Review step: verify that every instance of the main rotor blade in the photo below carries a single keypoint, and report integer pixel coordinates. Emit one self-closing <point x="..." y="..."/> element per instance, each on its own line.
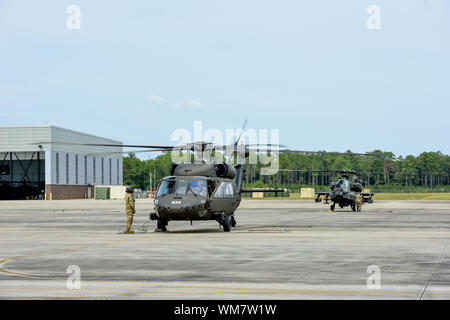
<point x="106" y="145"/>
<point x="242" y="130"/>
<point x="328" y="152"/>
<point x="125" y="152"/>
<point x="192" y="146"/>
<point x="248" y="150"/>
<point x="266" y="144"/>
<point x="188" y="146"/>
<point x="246" y="146"/>
<point x="302" y="170"/>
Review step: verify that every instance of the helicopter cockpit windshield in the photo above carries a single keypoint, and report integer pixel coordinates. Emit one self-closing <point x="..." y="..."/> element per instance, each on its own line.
<point x="166" y="187"/>
<point x="183" y="186"/>
<point x="197" y="187"/>
<point x="343" y="184"/>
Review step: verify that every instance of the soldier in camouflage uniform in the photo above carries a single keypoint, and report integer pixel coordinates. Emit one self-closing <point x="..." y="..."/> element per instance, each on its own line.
<point x="358" y="201"/>
<point x="131" y="209"/>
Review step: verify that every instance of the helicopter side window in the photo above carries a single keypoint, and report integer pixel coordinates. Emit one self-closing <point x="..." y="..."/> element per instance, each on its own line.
<point x="197" y="187"/>
<point x="166" y="187"/>
<point x="229" y="191"/>
<point x="181" y="187"/>
<point x="225" y="190"/>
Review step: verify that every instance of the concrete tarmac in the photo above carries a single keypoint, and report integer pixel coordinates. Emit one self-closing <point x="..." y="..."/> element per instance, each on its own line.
<point x="280" y="249"/>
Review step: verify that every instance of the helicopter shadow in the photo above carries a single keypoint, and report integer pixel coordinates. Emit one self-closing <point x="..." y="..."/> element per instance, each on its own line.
<point x="194" y="231"/>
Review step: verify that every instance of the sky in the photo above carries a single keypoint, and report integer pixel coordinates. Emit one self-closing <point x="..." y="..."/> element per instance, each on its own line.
<point x="136" y="71"/>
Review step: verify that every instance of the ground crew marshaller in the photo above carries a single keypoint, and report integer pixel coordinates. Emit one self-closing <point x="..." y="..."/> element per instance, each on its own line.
<point x="358" y="201"/>
<point x="131" y="209"/>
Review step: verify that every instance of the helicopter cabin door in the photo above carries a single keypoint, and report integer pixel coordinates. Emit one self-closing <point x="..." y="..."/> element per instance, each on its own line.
<point x="223" y="199"/>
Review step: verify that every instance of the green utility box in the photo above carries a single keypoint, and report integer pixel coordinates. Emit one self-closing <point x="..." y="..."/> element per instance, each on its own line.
<point x="102" y="193"/>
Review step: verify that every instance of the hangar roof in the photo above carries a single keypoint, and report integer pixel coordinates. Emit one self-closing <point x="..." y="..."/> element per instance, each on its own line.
<point x="27" y="138"/>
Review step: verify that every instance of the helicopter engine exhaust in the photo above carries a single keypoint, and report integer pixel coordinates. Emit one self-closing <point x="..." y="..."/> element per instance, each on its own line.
<point x="224" y="170"/>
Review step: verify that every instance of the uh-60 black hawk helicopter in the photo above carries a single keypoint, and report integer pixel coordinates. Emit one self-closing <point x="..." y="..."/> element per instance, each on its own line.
<point x="344" y="190"/>
<point x="204" y="191"/>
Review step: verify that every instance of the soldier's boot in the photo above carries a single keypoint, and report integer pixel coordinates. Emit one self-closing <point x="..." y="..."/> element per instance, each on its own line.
<point x="332" y="208"/>
<point x="129" y="222"/>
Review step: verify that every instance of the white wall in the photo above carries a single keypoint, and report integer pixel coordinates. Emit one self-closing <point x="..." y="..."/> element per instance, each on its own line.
<point x="106" y="173"/>
<point x="51" y="167"/>
<point x="90" y="170"/>
<point x="62" y="168"/>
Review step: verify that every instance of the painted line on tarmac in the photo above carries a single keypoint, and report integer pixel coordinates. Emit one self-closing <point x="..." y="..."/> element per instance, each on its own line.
<point x="228" y="290"/>
<point x="109" y="295"/>
<point x="193" y="289"/>
<point x="329" y="292"/>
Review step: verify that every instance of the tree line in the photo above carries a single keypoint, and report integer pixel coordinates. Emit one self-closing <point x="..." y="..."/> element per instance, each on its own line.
<point x="428" y="171"/>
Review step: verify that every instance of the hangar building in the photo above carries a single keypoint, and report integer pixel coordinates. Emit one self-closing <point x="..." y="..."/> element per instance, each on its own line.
<point x="36" y="159"/>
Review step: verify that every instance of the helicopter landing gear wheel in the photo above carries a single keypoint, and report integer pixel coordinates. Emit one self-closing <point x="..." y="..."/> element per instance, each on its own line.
<point x="227" y="224"/>
<point x="161" y="226"/>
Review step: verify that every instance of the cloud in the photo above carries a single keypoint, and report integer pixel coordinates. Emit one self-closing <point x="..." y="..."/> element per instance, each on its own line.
<point x="182" y="105"/>
<point x="157" y="99"/>
<point x="192" y="105"/>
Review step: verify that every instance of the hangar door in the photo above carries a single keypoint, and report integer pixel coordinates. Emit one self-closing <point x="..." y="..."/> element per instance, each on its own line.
<point x="22" y="175"/>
